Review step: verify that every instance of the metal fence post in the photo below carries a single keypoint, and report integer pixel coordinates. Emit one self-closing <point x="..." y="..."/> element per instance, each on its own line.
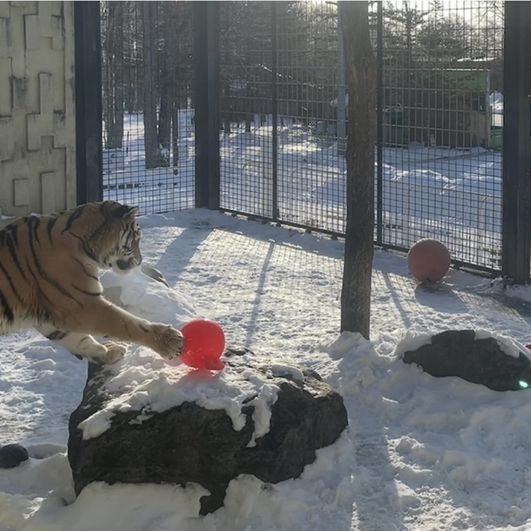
<point x="206" y="91"/>
<point x="274" y="108"/>
<point x="516" y="143"/>
<point x="89" y="164"/>
<point x="379" y="124"/>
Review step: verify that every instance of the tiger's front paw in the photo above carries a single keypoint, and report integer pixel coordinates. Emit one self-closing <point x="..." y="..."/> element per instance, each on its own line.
<point x="114" y="352"/>
<point x="169" y="342"/>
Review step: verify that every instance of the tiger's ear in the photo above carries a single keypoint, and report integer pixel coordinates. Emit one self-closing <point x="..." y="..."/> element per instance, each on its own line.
<point x="124" y="211"/>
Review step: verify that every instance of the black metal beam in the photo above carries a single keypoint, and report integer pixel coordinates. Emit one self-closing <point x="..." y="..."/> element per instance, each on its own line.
<point x="89" y="163"/>
<point x="379" y="125"/>
<point x="516" y="143"/>
<point x="274" y="110"/>
<point x="206" y="96"/>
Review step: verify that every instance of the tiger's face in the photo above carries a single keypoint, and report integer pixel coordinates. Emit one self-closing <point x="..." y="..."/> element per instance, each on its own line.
<point x="114" y="239"/>
<point x="126" y="255"/>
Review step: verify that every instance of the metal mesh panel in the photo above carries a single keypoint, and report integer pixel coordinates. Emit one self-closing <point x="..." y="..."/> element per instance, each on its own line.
<point x="246" y="84"/>
<point x="311" y="172"/>
<point x="438" y="153"/>
<point x="148" y="120"/>
<point x="442" y="127"/>
<point x="278" y="111"/>
<point x="283" y="105"/>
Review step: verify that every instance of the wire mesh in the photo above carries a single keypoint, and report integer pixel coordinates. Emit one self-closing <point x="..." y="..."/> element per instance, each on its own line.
<point x="311" y="163"/>
<point x="442" y="108"/>
<point x="283" y="116"/>
<point x="246" y="113"/>
<point x="279" y="150"/>
<point x="148" y="119"/>
<point x="438" y="157"/>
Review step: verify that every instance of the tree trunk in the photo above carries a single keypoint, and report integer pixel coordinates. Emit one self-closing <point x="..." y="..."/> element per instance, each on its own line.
<point x="227" y="111"/>
<point x="113" y="50"/>
<point x="167" y="78"/>
<point x="117" y="133"/>
<point x="226" y="98"/>
<point x="247" y="108"/>
<point x="165" y="117"/>
<point x="359" y="243"/>
<point x="154" y="158"/>
<point x="175" y="137"/>
<point x="107" y="83"/>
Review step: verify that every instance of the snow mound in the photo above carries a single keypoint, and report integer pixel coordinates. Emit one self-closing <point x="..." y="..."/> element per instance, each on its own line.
<point x="145" y="297"/>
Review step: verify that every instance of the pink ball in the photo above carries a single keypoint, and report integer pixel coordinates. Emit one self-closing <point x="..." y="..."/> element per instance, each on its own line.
<point x="428" y="260"/>
<point x="204" y="343"/>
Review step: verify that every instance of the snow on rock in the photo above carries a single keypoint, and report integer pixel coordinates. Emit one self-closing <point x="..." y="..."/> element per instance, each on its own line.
<point x="478" y="357"/>
<point x="509" y="345"/>
<point x="414" y="339"/>
<point x="144" y="382"/>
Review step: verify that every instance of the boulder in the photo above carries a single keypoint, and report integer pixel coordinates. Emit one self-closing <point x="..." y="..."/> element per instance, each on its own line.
<point x="189" y="443"/>
<point x="498" y="365"/>
<point x="12" y="455"/>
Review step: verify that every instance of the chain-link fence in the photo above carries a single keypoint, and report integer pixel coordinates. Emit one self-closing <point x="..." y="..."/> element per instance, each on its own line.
<point x="148" y="117"/>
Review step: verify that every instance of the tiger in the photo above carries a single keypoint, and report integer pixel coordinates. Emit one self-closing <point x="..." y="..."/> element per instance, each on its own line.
<point x="49" y="281"/>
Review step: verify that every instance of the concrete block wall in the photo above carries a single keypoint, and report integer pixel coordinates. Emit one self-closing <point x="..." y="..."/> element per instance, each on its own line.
<point x="37" y="107"/>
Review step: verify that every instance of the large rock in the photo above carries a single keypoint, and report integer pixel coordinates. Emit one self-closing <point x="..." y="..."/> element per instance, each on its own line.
<point x="11" y="455"/>
<point x="501" y="366"/>
<point x="188" y="443"/>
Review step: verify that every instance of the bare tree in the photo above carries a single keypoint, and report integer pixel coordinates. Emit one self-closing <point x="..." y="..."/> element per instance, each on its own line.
<point x="166" y="73"/>
<point x="173" y="43"/>
<point x="112" y="52"/>
<point x="154" y="157"/>
<point x="359" y="245"/>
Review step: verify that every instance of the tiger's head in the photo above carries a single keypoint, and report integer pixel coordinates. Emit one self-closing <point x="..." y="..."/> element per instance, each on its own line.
<point x="115" y="241"/>
<point x="126" y="255"/>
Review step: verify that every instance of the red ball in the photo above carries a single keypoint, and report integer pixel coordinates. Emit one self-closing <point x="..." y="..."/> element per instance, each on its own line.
<point x="428" y="260"/>
<point x="204" y="343"/>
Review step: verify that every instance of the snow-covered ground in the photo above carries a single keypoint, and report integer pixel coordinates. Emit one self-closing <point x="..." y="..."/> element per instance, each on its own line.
<point x="420" y="453"/>
<point x="157" y="190"/>
<point x="496" y="103"/>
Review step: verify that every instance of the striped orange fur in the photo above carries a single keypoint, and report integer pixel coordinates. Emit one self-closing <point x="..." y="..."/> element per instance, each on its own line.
<point x="49" y="280"/>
